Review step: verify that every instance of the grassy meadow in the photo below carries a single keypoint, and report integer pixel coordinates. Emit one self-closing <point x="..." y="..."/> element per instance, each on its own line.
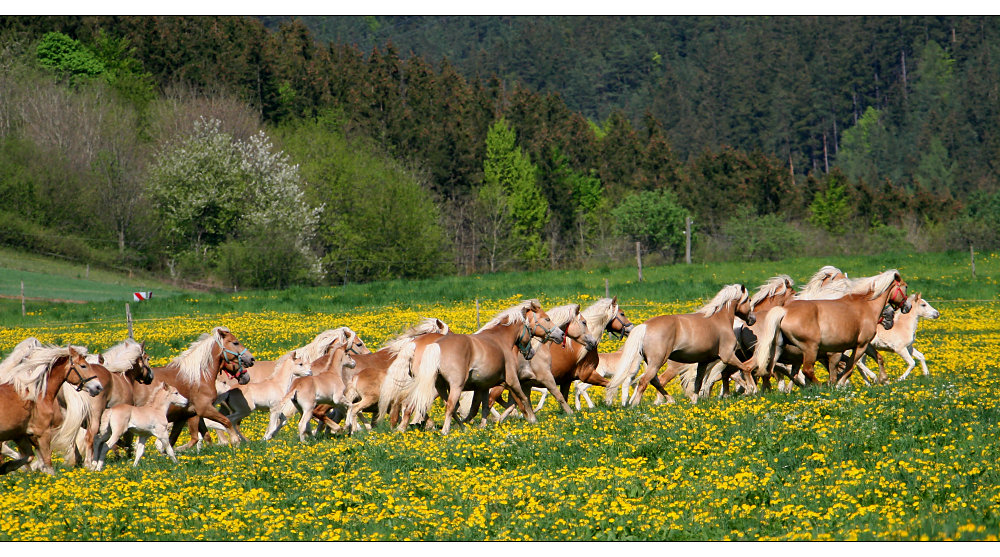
<point x="913" y="460"/>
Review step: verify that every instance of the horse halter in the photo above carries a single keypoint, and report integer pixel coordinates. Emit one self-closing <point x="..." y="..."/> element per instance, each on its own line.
<point x="239" y="359"/>
<point x="897" y="297"/>
<point x="524" y="347"/>
<point x="83" y="381"/>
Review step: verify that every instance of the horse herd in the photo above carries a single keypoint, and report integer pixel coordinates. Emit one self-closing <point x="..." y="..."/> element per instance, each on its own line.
<point x="81" y="404"/>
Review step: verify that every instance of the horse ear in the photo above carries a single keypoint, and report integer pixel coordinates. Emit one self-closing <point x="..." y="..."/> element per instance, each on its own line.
<point x="615" y="299"/>
<point x="440" y="324"/>
<point x="100" y="359"/>
<point x="142" y="345"/>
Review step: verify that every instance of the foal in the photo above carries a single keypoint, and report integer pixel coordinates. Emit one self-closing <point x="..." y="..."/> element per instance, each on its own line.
<point x="142" y="421"/>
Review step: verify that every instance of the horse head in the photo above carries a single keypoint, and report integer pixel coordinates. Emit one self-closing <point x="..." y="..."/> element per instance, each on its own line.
<point x="576" y="328"/>
<point x="924" y="309"/>
<point x="897" y="295"/>
<point x="619" y="324"/>
<point x="744" y="307"/>
<point x="235" y="357"/>
<point x="299" y="366"/>
<point x="145" y="373"/>
<point x="540" y="325"/>
<point x="175" y="397"/>
<point x="81" y="374"/>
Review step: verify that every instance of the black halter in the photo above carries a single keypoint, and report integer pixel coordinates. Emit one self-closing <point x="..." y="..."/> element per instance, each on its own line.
<point x="83" y="382"/>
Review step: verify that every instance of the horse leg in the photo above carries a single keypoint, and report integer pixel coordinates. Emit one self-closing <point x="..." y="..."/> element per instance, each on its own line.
<point x="541" y="402"/>
<point x="514" y="386"/>
<point x="910" y="363"/>
<point x="881" y="366"/>
<point x="867" y="374"/>
<point x="160" y="431"/>
<point x="192" y="427"/>
<point x="849" y="364"/>
<point x="923" y="361"/>
<point x="305" y="406"/>
<point x="140" y="447"/>
<point x="549" y="383"/>
<point x="236" y="400"/>
<point x="653" y="364"/>
<point x="451" y="404"/>
<point x="809" y="353"/>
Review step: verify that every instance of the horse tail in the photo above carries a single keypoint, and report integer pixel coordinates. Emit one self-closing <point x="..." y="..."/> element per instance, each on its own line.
<point x="629" y="363"/>
<point x="420" y="394"/>
<point x="77" y="409"/>
<point x="767" y="340"/>
<point x="687" y="376"/>
<point x="397" y="377"/>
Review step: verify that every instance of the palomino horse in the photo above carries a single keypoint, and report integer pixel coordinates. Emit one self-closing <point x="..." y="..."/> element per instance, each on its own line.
<point x="773" y="293"/>
<point x="143" y="421"/>
<point x="809" y="328"/>
<point x="603" y="315"/>
<point x="379" y="378"/>
<point x="552" y="360"/>
<point x="30" y="379"/>
<point x="268" y="394"/>
<point x="700" y="337"/>
<point x="325" y="385"/>
<point x="479" y="362"/>
<point x="128" y="365"/>
<point x="194" y="372"/>
<point x="899" y="339"/>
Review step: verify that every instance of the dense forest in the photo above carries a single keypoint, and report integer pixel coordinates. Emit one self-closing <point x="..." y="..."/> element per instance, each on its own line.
<point x="263" y="152"/>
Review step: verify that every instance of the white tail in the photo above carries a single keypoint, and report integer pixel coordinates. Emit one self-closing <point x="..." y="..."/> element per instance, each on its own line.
<point x="397" y="377"/>
<point x="420" y="394"/>
<point x="629" y="363"/>
<point x="766" y="341"/>
<point x="77" y="409"/>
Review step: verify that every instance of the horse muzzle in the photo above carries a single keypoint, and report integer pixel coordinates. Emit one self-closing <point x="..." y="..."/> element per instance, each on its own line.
<point x="751" y="319"/>
<point x="556" y="335"/>
<point x="94" y="388"/>
<point x="243" y="378"/>
<point x="349" y="362"/>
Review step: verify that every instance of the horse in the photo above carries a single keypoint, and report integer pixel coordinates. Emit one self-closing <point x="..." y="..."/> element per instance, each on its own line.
<point x="811" y="327"/>
<point x="700" y="337"/>
<point x="899" y="339"/>
<point x="143" y="421"/>
<point x="378" y="378"/>
<point x="773" y="293"/>
<point x="268" y="394"/>
<point x="591" y="369"/>
<point x="119" y="368"/>
<point x="193" y="374"/>
<point x="325" y="384"/>
<point x="30" y="379"/>
<point x="478" y="362"/>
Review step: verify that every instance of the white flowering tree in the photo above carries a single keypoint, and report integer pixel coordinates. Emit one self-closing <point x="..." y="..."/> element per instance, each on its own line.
<point x="236" y="205"/>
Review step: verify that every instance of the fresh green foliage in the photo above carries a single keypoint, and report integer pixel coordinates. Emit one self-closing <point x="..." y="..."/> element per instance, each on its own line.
<point x="829" y="209"/>
<point x="212" y="189"/>
<point x="765" y="237"/>
<point x="653" y="218"/>
<point x="68" y="56"/>
<point x="507" y="168"/>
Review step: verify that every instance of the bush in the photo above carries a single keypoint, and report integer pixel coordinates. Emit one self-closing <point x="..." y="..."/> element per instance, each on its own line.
<point x="767" y="237"/>
<point x="653" y="218"/>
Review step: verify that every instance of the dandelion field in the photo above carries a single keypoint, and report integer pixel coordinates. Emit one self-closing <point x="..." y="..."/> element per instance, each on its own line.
<point x="913" y="460"/>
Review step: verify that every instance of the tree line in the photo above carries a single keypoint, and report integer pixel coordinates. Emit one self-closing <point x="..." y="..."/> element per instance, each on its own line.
<point x="216" y="149"/>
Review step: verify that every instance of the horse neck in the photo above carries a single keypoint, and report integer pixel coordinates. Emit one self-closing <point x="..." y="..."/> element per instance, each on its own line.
<point x="57" y="376"/>
<point x="726" y="313"/>
<point x="505" y="334"/>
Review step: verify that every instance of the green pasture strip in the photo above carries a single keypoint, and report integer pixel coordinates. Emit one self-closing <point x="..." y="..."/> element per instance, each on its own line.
<point x="53" y="279"/>
<point x="939" y="276"/>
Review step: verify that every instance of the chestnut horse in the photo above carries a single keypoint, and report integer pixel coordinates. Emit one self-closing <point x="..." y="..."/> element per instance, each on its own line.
<point x="801" y="330"/>
<point x="700" y="337"/>
<point x="30" y="379"/>
<point x="194" y="373"/>
<point x="478" y="362"/>
<point x="773" y="293"/>
<point x="324" y="385"/>
<point x="379" y="378"/>
<point x="586" y="368"/>
<point x="128" y="365"/>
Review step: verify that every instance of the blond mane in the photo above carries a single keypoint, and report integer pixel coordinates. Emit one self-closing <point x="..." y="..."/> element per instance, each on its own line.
<point x="816" y="290"/>
<point x="775" y="286"/>
<point x="729" y="293"/>
<point x="599" y="314"/>
<point x="562" y="315"/>
<point x="18" y="354"/>
<point x="120" y="357"/>
<point x="511" y="315"/>
<point x="425" y="326"/>
<point x="196" y="362"/>
<point x="29" y="377"/>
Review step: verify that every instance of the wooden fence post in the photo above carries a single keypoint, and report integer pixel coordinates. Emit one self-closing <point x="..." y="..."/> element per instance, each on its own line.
<point x="23" y="312"/>
<point x="607" y="291"/>
<point x="477" y="314"/>
<point x="972" y="257"/>
<point x="128" y="320"/>
<point x="687" y="240"/>
<point x="638" y="259"/>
